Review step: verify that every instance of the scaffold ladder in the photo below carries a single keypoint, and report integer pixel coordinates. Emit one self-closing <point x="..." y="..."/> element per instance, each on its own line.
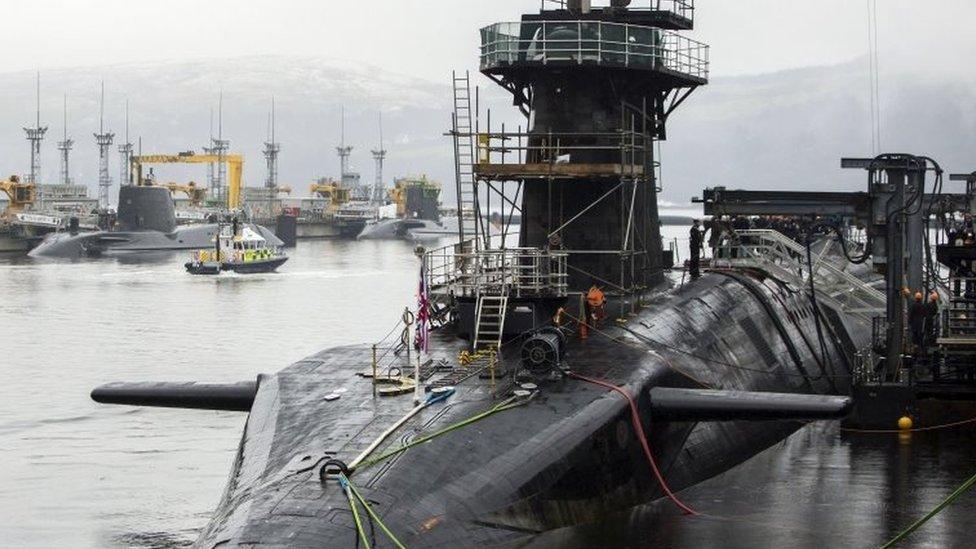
<point x="490" y="324"/>
<point x="464" y="158"/>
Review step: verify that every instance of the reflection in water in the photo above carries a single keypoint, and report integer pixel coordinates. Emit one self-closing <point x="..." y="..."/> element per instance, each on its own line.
<point x="819" y="488"/>
<point x="82" y="475"/>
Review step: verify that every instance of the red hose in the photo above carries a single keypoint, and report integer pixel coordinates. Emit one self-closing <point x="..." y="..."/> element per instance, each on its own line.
<point x="635" y="419"/>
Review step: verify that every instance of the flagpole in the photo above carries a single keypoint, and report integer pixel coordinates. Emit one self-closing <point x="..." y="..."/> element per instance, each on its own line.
<point x="422" y="327"/>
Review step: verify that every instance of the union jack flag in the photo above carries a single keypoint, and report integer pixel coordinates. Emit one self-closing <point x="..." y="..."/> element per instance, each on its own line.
<point x="422" y="339"/>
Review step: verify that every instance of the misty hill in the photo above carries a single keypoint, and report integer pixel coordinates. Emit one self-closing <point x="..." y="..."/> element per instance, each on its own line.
<point x="788" y="130"/>
<point x="782" y="130"/>
<point x="170" y="105"/>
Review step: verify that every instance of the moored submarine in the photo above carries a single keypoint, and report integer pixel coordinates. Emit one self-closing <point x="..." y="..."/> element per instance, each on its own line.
<point x="146" y="223"/>
<point x="521" y="425"/>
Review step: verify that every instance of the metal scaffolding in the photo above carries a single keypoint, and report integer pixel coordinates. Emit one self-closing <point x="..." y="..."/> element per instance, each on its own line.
<point x="504" y="161"/>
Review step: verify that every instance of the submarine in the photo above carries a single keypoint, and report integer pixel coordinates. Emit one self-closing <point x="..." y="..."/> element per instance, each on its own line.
<point x="554" y="383"/>
<point x="146" y="223"/>
<point x="416" y="205"/>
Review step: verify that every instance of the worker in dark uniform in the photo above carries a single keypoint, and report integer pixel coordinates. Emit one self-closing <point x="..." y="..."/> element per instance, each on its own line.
<point x="932" y="330"/>
<point x="916" y="324"/>
<point x="695" y="243"/>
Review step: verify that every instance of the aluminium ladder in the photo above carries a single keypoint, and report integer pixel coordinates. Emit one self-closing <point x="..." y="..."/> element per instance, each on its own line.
<point x="464" y="159"/>
<point x="490" y="322"/>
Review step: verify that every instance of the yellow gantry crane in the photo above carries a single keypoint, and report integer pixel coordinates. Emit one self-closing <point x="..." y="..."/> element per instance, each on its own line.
<point x="235" y="168"/>
<point x="20" y="194"/>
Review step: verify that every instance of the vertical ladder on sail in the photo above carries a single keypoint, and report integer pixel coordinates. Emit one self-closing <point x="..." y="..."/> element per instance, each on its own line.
<point x="464" y="159"/>
<point x="490" y="322"/>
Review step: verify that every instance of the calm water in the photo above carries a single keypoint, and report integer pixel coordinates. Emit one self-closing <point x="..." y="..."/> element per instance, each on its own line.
<point x="82" y="475"/>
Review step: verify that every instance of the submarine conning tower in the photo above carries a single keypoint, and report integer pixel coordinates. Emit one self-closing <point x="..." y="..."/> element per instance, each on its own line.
<point x="597" y="85"/>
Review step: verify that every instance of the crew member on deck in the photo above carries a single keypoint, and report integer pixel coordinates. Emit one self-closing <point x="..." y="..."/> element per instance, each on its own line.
<point x="916" y="323"/>
<point x="695" y="243"/>
<point x="932" y="331"/>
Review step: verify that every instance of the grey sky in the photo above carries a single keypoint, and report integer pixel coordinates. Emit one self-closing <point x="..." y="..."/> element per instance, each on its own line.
<point x="429" y="38"/>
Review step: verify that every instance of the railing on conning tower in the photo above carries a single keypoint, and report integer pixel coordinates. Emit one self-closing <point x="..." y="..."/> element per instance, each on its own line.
<point x="460" y="271"/>
<point x="592" y="43"/>
<point x="681" y="8"/>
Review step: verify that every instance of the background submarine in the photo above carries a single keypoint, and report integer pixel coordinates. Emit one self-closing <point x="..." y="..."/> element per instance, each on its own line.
<point x="538" y="428"/>
<point x="146" y="223"/>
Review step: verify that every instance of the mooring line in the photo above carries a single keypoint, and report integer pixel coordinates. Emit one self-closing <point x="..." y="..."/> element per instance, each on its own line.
<point x="914" y="430"/>
<point x="945" y="503"/>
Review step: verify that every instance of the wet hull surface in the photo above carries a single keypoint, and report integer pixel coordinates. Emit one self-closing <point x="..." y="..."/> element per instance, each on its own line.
<point x="566" y="458"/>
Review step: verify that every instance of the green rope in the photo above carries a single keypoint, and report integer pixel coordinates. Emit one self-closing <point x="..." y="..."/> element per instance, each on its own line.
<point x="372" y="514"/>
<point x="506" y="404"/>
<point x="918" y="523"/>
<point x="355" y="514"/>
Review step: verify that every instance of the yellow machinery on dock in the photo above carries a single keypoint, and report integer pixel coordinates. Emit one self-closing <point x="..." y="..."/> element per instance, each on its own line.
<point x="19" y="194"/>
<point x="195" y="194"/>
<point x="333" y="190"/>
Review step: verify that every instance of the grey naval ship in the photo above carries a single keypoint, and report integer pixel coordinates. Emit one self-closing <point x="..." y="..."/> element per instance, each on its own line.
<point x="146" y="222"/>
<point x="553" y="383"/>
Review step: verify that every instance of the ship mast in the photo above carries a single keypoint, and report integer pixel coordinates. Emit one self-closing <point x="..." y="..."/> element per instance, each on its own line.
<point x="271" y="150"/>
<point x="64" y="147"/>
<point x="35" y="136"/>
<point x="104" y="141"/>
<point x="376" y="194"/>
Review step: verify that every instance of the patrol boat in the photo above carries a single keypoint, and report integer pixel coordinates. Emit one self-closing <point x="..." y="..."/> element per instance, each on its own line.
<point x="239" y="249"/>
<point x="489" y="419"/>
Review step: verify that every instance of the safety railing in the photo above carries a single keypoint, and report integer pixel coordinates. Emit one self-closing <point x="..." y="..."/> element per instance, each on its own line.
<point x="780" y="256"/>
<point x="959" y="318"/>
<point x="460" y="271"/>
<point x="592" y="42"/>
<point x="682" y="8"/>
<point x="629" y="150"/>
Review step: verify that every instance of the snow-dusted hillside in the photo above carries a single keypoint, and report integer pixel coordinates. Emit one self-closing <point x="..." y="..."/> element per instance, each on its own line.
<point x="782" y="130"/>
<point x="169" y="105"/>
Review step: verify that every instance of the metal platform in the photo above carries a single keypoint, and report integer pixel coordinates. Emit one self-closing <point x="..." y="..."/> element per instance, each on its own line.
<point x="498" y="172"/>
<point x="528" y="44"/>
<point x="457" y="271"/>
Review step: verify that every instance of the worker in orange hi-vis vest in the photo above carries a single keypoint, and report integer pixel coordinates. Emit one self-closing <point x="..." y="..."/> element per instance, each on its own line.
<point x="595" y="302"/>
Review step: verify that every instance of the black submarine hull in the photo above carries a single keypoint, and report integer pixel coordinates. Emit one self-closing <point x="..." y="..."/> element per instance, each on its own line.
<point x="146" y="224"/>
<point x="569" y="456"/>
